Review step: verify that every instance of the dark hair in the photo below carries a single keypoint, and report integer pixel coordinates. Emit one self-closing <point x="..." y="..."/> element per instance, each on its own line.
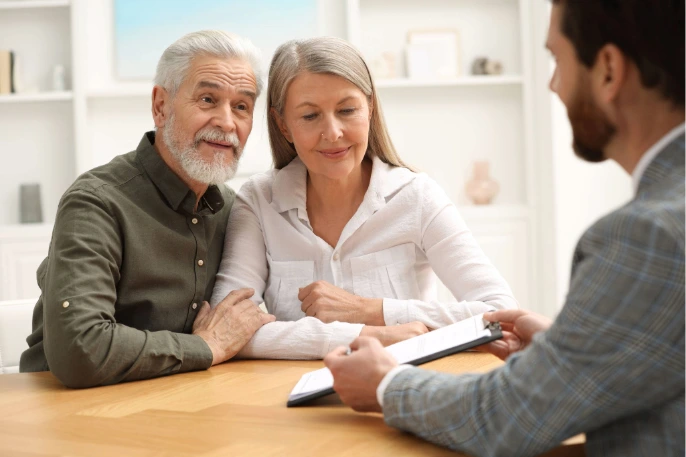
<point x="649" y="32"/>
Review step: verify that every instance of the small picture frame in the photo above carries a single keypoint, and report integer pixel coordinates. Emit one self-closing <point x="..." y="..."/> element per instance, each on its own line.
<point x="433" y="54"/>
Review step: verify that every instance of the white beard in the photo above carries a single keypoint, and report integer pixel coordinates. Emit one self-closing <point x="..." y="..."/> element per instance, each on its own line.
<point x="215" y="171"/>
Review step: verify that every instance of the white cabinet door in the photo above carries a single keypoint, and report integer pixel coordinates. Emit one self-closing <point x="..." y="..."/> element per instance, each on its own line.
<point x="22" y="249"/>
<point x="504" y="241"/>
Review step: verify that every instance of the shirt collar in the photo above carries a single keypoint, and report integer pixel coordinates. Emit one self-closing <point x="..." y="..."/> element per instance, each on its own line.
<point x="651" y="153"/>
<point x="174" y="190"/>
<point x="289" y="190"/>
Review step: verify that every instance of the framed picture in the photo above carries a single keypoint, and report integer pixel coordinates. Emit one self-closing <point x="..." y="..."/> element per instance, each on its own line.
<point x="144" y="29"/>
<point x="433" y="54"/>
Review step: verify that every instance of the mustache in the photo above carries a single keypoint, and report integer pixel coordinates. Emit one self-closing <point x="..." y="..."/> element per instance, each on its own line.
<point x="217" y="136"/>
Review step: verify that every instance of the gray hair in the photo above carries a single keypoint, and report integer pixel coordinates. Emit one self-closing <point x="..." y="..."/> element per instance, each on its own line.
<point x="324" y="55"/>
<point x="177" y="58"/>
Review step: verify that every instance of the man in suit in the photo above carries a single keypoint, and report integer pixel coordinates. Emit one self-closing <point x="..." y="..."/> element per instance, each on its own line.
<point x="612" y="363"/>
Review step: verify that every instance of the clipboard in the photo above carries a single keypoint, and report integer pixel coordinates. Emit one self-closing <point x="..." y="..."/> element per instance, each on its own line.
<point x="442" y="342"/>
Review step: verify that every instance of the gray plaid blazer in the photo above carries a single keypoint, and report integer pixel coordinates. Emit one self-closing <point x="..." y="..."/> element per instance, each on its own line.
<point x="612" y="364"/>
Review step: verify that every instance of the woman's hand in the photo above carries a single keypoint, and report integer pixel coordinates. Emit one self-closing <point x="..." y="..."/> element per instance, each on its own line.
<point x="394" y="333"/>
<point x="329" y="303"/>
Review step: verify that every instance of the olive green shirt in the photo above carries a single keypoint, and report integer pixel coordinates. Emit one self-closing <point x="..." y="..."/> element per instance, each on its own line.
<point x="129" y="265"/>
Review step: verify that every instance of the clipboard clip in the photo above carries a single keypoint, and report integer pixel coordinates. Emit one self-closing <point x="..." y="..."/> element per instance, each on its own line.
<point x="493" y="326"/>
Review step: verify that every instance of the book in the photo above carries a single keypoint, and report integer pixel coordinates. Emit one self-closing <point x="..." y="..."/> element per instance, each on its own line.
<point x="442" y="342"/>
<point x="13" y="62"/>
<point x="5" y="71"/>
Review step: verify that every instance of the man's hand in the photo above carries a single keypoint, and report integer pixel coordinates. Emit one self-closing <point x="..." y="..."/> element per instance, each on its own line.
<point x="329" y="303"/>
<point x="230" y="325"/>
<point x="519" y="327"/>
<point x="356" y="376"/>
<point x="394" y="333"/>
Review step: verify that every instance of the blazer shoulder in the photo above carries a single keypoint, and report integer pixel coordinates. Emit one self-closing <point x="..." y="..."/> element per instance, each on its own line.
<point x="654" y="222"/>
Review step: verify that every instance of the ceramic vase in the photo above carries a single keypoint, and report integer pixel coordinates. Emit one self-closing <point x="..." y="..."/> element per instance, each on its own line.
<point x="481" y="188"/>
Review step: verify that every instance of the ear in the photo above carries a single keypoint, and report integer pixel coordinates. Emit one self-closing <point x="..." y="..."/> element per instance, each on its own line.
<point x="282" y="125"/>
<point x="161" y="102"/>
<point x="371" y="107"/>
<point x="161" y="105"/>
<point x="610" y="73"/>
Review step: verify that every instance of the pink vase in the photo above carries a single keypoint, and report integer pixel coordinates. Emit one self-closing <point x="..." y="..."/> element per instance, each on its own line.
<point x="481" y="188"/>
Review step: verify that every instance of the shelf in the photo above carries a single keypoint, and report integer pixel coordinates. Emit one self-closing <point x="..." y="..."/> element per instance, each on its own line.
<point x="123" y="91"/>
<point x="36" y="97"/>
<point x="462" y="81"/>
<point x="18" y="4"/>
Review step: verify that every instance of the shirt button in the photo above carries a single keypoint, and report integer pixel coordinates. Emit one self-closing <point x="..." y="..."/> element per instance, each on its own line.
<point x="201" y="263"/>
<point x="336" y="257"/>
<point x="194" y="220"/>
<point x="65" y="304"/>
<point x="195" y="305"/>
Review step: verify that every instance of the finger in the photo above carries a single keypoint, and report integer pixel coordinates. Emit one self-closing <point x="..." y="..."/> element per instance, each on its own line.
<point x="244" y="309"/>
<point x="504" y="315"/>
<point x="307" y="304"/>
<point x="237" y="296"/>
<point x="339" y="351"/>
<point x="267" y="318"/>
<point x="305" y="291"/>
<point x="498" y="348"/>
<point x="202" y="315"/>
<point x="335" y="357"/>
<point x="507" y="326"/>
<point x="365" y="342"/>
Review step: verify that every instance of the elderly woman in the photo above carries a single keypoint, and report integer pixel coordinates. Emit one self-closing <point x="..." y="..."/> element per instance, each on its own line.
<point x="342" y="238"/>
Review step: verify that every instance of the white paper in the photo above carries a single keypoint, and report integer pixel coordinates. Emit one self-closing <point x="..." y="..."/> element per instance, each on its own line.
<point x="407" y="351"/>
<point x="439" y="340"/>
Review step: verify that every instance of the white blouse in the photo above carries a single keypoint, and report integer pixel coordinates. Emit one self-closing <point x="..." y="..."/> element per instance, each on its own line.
<point x="405" y="229"/>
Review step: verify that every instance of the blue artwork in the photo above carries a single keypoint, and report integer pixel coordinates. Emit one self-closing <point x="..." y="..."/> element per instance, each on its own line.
<point x="143" y="29"/>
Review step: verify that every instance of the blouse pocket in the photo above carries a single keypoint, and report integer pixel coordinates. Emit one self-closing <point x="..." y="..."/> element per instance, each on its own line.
<point x="389" y="273"/>
<point x="281" y="294"/>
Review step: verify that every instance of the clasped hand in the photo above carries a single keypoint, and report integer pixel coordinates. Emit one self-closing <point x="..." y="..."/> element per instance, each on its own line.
<point x="329" y="303"/>
<point x="230" y="325"/>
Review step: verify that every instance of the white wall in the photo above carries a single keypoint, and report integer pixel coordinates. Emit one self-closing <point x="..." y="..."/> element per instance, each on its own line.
<point x="583" y="193"/>
<point x="117" y="124"/>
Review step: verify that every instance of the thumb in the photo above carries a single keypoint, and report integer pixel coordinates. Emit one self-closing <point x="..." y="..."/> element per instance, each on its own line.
<point x="334" y="356"/>
<point x="203" y="313"/>
<point x="504" y="315"/>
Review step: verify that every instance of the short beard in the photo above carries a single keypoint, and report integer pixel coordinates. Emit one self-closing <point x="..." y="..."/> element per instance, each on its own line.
<point x="591" y="128"/>
<point x="217" y="170"/>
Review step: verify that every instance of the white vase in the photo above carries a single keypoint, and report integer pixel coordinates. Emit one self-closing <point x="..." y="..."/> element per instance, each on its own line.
<point x="481" y="188"/>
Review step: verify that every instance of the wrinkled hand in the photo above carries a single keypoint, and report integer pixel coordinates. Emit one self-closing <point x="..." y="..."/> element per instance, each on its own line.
<point x="394" y="333"/>
<point x="357" y="376"/>
<point x="230" y="325"/>
<point x="329" y="303"/>
<point x="519" y="327"/>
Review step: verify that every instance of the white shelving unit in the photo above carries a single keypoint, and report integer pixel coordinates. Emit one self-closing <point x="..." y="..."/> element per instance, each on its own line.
<point x="441" y="126"/>
<point x="462" y="81"/>
<point x="37" y="127"/>
<point x="37" y="97"/>
<point x="446" y="125"/>
<point x="6" y="5"/>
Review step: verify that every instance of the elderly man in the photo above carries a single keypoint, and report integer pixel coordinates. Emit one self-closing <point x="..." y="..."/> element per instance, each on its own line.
<point x="612" y="363"/>
<point x="137" y="242"/>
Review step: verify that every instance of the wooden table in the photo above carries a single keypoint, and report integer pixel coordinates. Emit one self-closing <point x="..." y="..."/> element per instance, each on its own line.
<point x="234" y="409"/>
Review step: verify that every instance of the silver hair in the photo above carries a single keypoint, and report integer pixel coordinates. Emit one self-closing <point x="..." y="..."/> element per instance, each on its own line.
<point x="177" y="58"/>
